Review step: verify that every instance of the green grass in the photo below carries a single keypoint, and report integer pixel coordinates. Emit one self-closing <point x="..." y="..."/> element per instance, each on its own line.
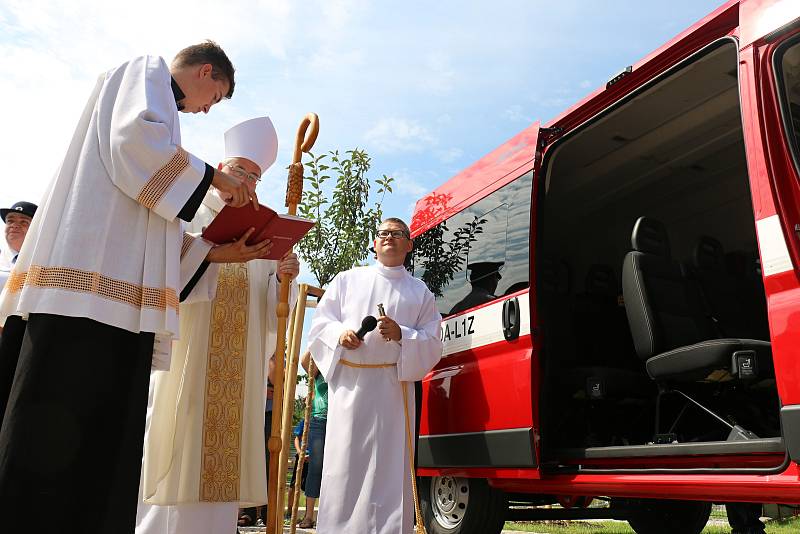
<point x="791" y="526"/>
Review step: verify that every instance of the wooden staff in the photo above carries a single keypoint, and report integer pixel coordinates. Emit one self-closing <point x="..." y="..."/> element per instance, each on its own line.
<point x="294" y="193"/>
<point x="298" y="319"/>
<point x="298" y="479"/>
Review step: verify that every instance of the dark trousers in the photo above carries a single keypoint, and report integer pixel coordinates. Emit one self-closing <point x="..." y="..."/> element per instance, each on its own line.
<point x="10" y="344"/>
<point x="744" y="517"/>
<point x="72" y="433"/>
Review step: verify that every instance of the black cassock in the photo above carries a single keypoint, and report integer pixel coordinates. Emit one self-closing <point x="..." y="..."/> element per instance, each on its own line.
<point x="73" y="428"/>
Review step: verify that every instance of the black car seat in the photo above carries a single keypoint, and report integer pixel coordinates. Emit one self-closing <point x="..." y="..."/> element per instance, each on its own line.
<point x="720" y="291"/>
<point x="671" y="326"/>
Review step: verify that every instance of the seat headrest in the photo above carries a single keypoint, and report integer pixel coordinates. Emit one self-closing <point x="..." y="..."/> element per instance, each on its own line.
<point x="650" y="236"/>
<point x="708" y="254"/>
<point x="600" y="280"/>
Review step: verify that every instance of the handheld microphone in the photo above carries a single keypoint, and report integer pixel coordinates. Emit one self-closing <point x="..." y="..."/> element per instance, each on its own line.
<point x="368" y="324"/>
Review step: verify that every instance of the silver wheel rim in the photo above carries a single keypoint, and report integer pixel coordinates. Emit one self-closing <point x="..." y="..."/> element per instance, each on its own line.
<point x="449" y="496"/>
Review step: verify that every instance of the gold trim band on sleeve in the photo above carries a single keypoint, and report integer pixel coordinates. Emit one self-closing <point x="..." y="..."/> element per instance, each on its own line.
<point x="98" y="284"/>
<point x="188" y="240"/>
<point x="157" y="186"/>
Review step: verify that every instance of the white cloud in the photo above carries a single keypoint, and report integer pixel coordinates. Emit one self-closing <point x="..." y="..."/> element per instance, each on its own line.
<point x="411" y="183"/>
<point x="392" y="135"/>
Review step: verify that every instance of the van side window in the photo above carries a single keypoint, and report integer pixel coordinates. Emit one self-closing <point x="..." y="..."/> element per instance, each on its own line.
<point x="787" y="63"/>
<point x="480" y="253"/>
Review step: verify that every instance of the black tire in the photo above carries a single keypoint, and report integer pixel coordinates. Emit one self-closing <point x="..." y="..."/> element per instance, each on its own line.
<point x="650" y="516"/>
<point x="463" y="506"/>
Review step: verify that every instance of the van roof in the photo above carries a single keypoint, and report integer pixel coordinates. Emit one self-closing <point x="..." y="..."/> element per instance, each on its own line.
<point x="502" y="165"/>
<point x="516" y="156"/>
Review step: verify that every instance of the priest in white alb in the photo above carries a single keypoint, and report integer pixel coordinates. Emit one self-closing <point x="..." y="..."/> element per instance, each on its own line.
<point x="204" y="453"/>
<point x="95" y="291"/>
<point x="368" y="469"/>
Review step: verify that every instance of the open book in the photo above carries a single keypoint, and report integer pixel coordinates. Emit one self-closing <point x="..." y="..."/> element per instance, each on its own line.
<point x="282" y="229"/>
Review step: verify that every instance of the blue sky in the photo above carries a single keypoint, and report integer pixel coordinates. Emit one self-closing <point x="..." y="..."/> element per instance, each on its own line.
<point x="425" y="87"/>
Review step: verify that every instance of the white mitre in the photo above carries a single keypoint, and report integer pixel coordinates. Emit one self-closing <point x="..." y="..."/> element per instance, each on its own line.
<point x="253" y="139"/>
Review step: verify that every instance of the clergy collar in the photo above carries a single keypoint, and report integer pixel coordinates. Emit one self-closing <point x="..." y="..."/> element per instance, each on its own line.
<point x="177" y="93"/>
<point x="391" y="272"/>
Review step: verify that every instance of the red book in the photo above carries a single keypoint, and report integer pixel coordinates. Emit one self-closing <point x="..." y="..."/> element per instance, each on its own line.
<point x="282" y="229"/>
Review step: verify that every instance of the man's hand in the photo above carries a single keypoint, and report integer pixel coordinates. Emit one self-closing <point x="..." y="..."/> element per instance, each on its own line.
<point x="349" y="340"/>
<point x="239" y="251"/>
<point x="389" y="329"/>
<point x="289" y="266"/>
<point x="235" y="192"/>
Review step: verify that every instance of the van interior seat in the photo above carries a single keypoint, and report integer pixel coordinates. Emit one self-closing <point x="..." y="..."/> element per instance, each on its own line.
<point x="554" y="289"/>
<point x="733" y="315"/>
<point x="671" y="327"/>
<point x="601" y="326"/>
<point x="587" y="326"/>
<point x="745" y="268"/>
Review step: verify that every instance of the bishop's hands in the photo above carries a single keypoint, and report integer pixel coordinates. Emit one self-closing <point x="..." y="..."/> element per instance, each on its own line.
<point x="389" y="329"/>
<point x="289" y="266"/>
<point x="235" y="191"/>
<point x="239" y="251"/>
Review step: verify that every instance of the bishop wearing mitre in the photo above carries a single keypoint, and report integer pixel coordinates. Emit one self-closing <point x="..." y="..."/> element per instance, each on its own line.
<point x="204" y="453"/>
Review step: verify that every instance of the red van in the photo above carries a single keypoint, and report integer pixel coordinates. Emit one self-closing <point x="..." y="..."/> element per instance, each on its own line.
<point x="621" y="297"/>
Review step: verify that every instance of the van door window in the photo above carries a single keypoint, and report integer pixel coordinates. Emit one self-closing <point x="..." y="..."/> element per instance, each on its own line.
<point x="479" y="253"/>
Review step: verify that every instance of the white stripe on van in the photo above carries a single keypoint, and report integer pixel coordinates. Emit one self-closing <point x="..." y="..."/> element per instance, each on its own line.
<point x="774" y="254"/>
<point x="481" y="327"/>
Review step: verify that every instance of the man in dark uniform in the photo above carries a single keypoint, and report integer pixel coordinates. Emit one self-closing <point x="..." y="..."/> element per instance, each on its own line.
<point x="484" y="277"/>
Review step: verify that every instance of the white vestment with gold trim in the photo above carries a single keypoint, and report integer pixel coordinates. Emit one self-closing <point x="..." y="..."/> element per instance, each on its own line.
<point x="106" y="242"/>
<point x="366" y="477"/>
<point x="204" y="453"/>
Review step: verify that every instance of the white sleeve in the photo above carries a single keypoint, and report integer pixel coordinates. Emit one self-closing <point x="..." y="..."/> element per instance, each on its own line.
<point x="136" y="121"/>
<point x="420" y="347"/>
<point x="326" y="328"/>
<point x="193" y="254"/>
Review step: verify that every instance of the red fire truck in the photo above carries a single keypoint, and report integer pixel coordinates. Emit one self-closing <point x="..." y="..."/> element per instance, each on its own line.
<point x="621" y="295"/>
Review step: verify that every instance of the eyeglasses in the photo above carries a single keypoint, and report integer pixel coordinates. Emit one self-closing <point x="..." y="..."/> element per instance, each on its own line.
<point x="241" y="172"/>
<point x="395" y="234"/>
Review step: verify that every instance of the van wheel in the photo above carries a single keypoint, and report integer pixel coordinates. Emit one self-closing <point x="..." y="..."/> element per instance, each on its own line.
<point x="650" y="516"/>
<point x="453" y="505"/>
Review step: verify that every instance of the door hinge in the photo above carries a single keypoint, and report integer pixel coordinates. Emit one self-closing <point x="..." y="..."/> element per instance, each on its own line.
<point x="546" y="134"/>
